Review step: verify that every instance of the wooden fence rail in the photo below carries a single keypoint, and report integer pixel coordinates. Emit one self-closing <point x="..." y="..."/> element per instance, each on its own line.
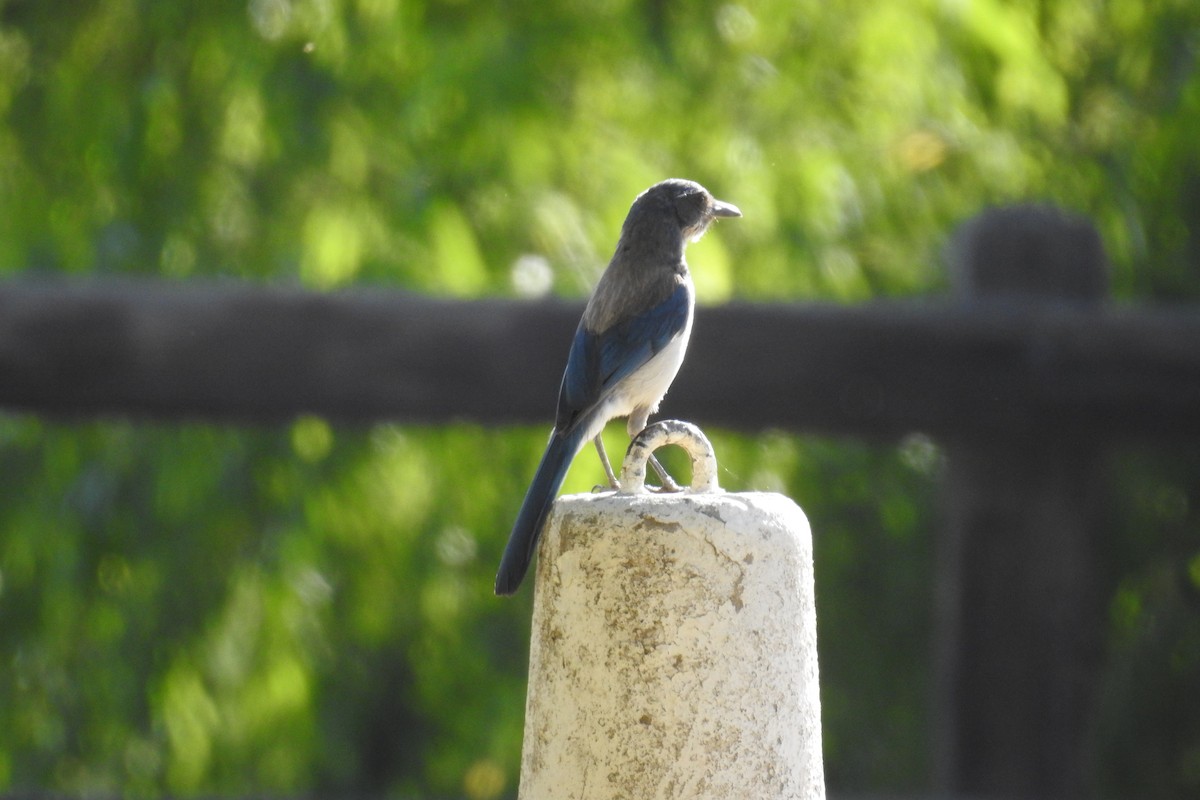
<point x="263" y="354"/>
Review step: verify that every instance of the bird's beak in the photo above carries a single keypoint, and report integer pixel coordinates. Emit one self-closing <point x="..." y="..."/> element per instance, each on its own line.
<point x="723" y="209"/>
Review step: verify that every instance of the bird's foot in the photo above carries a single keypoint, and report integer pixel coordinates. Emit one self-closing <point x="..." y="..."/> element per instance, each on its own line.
<point x="613" y="483"/>
<point x="668" y="483"/>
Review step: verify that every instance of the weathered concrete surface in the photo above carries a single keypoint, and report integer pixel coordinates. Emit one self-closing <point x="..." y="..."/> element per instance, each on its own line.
<point x="673" y="652"/>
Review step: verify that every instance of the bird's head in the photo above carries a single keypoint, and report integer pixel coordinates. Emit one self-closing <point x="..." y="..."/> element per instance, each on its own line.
<point x="681" y="203"/>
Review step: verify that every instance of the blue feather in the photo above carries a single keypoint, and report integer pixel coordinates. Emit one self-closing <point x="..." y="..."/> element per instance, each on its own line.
<point x="599" y="361"/>
<point x="538" y="499"/>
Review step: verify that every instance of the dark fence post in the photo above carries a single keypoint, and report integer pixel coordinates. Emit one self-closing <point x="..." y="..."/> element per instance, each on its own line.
<point x="1019" y="617"/>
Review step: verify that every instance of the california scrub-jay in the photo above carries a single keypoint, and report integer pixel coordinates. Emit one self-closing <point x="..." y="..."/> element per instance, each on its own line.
<point x="626" y="351"/>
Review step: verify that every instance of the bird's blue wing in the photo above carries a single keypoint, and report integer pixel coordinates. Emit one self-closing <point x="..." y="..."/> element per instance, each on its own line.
<point x="631" y="343"/>
<point x="599" y="361"/>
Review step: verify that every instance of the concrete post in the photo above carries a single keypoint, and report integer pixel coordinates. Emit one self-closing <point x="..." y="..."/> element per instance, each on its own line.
<point x="673" y="652"/>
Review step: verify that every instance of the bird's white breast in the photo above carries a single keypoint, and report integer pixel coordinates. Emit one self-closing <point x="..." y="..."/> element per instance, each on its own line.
<point x="644" y="388"/>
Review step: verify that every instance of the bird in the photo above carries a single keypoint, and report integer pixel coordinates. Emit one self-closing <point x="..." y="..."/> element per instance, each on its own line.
<point x="626" y="352"/>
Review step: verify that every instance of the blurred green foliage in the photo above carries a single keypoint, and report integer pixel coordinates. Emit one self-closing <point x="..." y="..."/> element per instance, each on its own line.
<point x="189" y="609"/>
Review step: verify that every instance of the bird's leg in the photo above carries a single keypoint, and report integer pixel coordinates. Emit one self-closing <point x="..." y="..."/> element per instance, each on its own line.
<point x="668" y="483"/>
<point x="608" y="470"/>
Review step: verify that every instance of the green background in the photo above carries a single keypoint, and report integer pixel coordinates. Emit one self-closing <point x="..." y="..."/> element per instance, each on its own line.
<point x="307" y="608"/>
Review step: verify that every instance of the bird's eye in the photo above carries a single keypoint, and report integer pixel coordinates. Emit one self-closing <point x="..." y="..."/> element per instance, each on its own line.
<point x="690" y="208"/>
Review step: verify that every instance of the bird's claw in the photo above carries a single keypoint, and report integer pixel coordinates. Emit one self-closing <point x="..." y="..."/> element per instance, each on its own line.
<point x="668" y="483"/>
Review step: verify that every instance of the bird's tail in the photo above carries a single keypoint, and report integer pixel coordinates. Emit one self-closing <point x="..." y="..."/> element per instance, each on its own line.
<point x="532" y="517"/>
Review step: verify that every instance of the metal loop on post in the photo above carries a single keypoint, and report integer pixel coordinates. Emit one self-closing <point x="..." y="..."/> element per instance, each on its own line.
<point x="663" y="433"/>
